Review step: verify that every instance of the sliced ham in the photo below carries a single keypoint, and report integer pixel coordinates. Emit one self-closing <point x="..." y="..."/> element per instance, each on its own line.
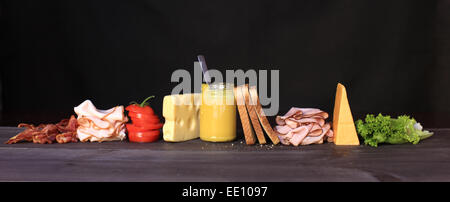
<point x="330" y="133"/>
<point x="303" y="126"/>
<point x="322" y="115"/>
<point x="329" y="139"/>
<point x="321" y="122"/>
<point x="312" y="139"/>
<point x="280" y="121"/>
<point x="298" y="135"/>
<point x="292" y="123"/>
<point x="284" y="140"/>
<point x="293" y="111"/>
<point x="309" y="111"/>
<point x="309" y="126"/>
<point x="282" y="129"/>
<point x="316" y="127"/>
<point x="326" y="128"/>
<point x="315" y="133"/>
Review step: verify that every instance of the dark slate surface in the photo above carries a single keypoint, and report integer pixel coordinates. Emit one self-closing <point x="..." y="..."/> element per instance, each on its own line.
<point x="200" y="161"/>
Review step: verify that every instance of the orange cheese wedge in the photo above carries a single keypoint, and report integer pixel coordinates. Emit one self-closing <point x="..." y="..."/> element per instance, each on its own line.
<point x="343" y="126"/>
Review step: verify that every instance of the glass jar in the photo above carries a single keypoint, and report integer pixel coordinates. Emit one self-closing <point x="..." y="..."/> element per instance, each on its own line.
<point x="218" y="113"/>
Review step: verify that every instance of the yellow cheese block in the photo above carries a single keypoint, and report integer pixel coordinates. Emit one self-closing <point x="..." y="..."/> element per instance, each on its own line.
<point x="182" y="117"/>
<point x="343" y="126"/>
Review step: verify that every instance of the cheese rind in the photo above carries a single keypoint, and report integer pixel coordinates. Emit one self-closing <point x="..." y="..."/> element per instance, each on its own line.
<point x="181" y="113"/>
<point x="343" y="125"/>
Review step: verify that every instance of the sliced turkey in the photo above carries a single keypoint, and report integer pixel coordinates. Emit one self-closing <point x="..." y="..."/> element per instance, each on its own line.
<point x="100" y="125"/>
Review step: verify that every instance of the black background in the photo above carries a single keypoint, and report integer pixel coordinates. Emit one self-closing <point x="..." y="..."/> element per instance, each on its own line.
<point x="393" y="56"/>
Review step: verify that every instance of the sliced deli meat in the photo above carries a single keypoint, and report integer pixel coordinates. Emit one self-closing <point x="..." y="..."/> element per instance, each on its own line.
<point x="322" y="115"/>
<point x="312" y="140"/>
<point x="282" y="129"/>
<point x="292" y="123"/>
<point x="321" y="122"/>
<point x="298" y="135"/>
<point x="61" y="132"/>
<point x="315" y="131"/>
<point x="100" y="125"/>
<point x="280" y="121"/>
<point x="303" y="126"/>
<point x="293" y="112"/>
<point x="330" y="133"/>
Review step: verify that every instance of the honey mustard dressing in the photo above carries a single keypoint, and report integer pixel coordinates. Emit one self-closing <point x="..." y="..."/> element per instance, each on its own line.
<point x="218" y="113"/>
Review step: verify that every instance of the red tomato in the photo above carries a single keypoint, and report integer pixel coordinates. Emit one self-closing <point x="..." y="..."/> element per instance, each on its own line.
<point x="138" y="109"/>
<point x="143" y="118"/>
<point x="147" y="136"/>
<point x="134" y="128"/>
<point x="145" y="122"/>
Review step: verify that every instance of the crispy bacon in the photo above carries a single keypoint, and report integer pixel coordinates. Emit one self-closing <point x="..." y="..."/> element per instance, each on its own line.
<point x="62" y="132"/>
<point x="67" y="137"/>
<point x="47" y="135"/>
<point x="25" y="136"/>
<point x="68" y="125"/>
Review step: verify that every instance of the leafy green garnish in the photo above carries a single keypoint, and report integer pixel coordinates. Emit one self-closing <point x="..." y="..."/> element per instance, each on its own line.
<point x="384" y="129"/>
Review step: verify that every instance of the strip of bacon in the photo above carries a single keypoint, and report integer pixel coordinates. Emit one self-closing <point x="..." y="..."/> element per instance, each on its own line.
<point x="62" y="132"/>
<point x="47" y="135"/>
<point x="25" y="136"/>
<point x="67" y="137"/>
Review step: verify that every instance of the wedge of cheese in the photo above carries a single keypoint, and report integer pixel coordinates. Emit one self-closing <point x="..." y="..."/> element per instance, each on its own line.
<point x="343" y="126"/>
<point x="182" y="117"/>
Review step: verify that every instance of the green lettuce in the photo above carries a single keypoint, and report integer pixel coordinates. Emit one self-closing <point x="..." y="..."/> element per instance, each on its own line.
<point x="384" y="129"/>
